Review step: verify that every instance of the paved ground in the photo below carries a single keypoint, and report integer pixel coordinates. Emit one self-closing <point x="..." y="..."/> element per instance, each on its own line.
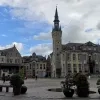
<point x="37" y="90"/>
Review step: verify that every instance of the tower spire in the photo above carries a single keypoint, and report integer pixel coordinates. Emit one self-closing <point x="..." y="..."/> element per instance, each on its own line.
<point x="56" y="21"/>
<point x="56" y="16"/>
<point x="14" y="45"/>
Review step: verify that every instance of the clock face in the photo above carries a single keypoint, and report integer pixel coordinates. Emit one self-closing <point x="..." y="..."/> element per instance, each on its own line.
<point x="56" y="24"/>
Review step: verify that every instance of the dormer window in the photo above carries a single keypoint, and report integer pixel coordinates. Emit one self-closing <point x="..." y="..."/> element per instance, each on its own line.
<point x="94" y="49"/>
<point x="73" y="48"/>
<point x="89" y="48"/>
<point x="1" y="53"/>
<point x="84" y="48"/>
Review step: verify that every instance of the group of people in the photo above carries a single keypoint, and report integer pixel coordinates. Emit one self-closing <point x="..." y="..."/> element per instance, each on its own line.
<point x="36" y="76"/>
<point x="3" y="77"/>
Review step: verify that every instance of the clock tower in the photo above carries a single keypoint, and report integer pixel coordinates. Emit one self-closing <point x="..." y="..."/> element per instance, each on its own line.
<point x="57" y="46"/>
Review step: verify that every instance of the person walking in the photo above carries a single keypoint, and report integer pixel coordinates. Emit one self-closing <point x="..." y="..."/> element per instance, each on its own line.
<point x="3" y="78"/>
<point x="36" y="76"/>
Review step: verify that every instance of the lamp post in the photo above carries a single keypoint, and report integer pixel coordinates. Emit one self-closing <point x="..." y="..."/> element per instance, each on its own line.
<point x="82" y="61"/>
<point x="91" y="64"/>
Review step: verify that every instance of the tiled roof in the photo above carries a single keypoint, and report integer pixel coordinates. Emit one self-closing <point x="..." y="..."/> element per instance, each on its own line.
<point x="8" y="49"/>
<point x="36" y="58"/>
<point x="9" y="64"/>
<point x="70" y="45"/>
<point x="78" y="46"/>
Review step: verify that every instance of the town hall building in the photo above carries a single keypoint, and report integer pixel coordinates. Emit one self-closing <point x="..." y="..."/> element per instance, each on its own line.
<point x="72" y="57"/>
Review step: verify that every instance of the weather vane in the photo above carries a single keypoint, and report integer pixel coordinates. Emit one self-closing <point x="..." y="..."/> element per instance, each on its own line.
<point x="56" y="5"/>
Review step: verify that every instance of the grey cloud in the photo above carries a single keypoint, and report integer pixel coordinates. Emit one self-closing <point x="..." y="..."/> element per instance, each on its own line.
<point x="98" y="26"/>
<point x="42" y="49"/>
<point x="83" y="14"/>
<point x="42" y="36"/>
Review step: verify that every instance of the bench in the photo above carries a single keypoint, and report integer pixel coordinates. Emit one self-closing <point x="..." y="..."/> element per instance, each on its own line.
<point x="6" y="86"/>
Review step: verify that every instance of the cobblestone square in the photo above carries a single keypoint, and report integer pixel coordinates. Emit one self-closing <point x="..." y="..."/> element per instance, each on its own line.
<point x="37" y="90"/>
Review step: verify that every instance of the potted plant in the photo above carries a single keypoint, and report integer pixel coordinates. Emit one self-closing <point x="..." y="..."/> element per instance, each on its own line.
<point x="16" y="82"/>
<point x="98" y="83"/>
<point x="82" y="86"/>
<point x="67" y="87"/>
<point x="23" y="89"/>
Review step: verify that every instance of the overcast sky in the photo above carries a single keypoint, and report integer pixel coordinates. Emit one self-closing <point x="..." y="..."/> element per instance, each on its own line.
<point x="28" y="23"/>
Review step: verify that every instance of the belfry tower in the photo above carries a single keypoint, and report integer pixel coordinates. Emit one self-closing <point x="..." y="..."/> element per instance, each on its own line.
<point x="57" y="46"/>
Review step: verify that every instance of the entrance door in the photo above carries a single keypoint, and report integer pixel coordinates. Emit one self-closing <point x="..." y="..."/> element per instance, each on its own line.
<point x="91" y="69"/>
<point x="58" y="72"/>
<point x="33" y="73"/>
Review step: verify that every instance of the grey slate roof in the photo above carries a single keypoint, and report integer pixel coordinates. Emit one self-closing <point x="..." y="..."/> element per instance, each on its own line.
<point x="36" y="58"/>
<point x="80" y="46"/>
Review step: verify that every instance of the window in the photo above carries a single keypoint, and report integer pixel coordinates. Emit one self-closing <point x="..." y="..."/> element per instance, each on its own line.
<point x="40" y="67"/>
<point x="10" y="60"/>
<point x="27" y="67"/>
<point x="30" y="67"/>
<point x="16" y="54"/>
<point x="75" y="70"/>
<point x="37" y="67"/>
<point x="18" y="60"/>
<point x="69" y="70"/>
<point x="15" y="60"/>
<point x="74" y="65"/>
<point x="68" y="56"/>
<point x="2" y="59"/>
<point x="7" y="60"/>
<point x="84" y="56"/>
<point x="33" y="63"/>
<point x="74" y="57"/>
<point x="80" y="70"/>
<point x="57" y="54"/>
<point x="79" y="57"/>
<point x="57" y="48"/>
<point x="79" y="65"/>
<point x="44" y="67"/>
<point x="95" y="56"/>
<point x="69" y="65"/>
<point x="97" y="70"/>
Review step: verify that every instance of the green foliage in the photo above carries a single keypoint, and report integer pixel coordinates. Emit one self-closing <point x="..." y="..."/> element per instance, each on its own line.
<point x="98" y="82"/>
<point x="16" y="80"/>
<point x="69" y="81"/>
<point x="82" y="86"/>
<point x="75" y="78"/>
<point x="21" y="73"/>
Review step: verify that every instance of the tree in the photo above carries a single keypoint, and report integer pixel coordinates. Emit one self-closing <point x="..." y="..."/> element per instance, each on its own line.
<point x="21" y="73"/>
